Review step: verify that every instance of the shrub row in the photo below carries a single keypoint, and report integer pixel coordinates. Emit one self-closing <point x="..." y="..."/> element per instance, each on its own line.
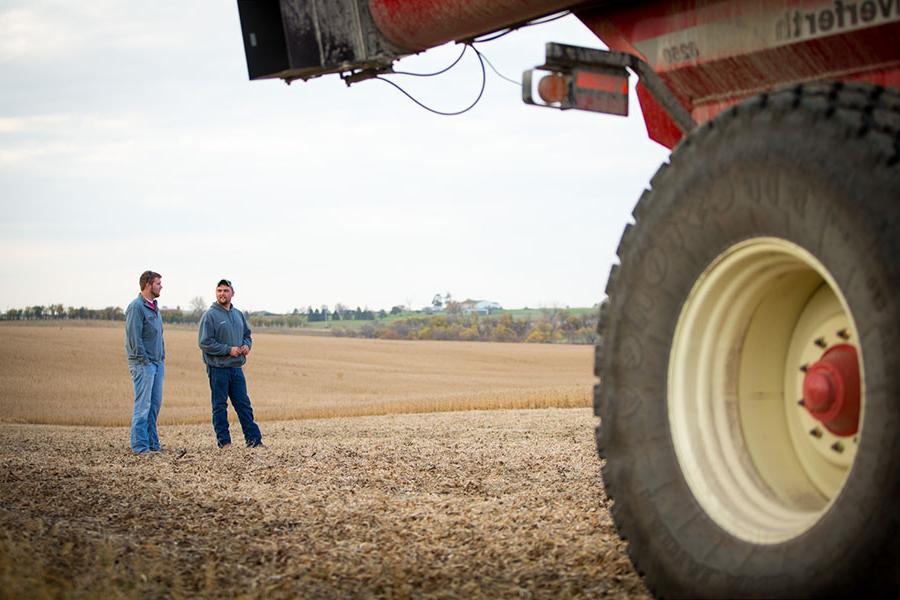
<point x="550" y="327"/>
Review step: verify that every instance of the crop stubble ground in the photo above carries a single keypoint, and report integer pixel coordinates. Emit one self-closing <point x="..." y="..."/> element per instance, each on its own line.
<point x="501" y="503"/>
<point x="447" y="505"/>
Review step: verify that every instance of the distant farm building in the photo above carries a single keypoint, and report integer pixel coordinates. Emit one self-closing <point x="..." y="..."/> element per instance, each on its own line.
<point x="480" y="307"/>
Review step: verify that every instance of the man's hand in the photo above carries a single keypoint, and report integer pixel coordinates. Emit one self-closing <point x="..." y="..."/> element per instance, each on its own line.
<point x="235" y="351"/>
<point x="245" y="349"/>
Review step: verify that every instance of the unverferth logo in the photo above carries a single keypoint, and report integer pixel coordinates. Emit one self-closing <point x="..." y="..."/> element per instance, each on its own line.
<point x="839" y="17"/>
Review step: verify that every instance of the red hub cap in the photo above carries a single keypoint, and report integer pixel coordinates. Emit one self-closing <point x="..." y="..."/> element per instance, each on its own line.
<point x="831" y="390"/>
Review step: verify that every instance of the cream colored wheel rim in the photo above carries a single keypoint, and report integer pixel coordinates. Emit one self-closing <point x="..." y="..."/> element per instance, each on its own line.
<point x="750" y="453"/>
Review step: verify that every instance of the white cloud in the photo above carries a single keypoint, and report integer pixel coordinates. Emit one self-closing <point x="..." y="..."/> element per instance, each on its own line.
<point x="50" y="30"/>
<point x="30" y="34"/>
<point x="33" y="123"/>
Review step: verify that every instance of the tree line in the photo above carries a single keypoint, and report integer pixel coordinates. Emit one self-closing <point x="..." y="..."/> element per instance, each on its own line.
<point x="58" y="311"/>
<point x="344" y="313"/>
<point x="177" y="315"/>
<point x="551" y="326"/>
<point x="110" y="313"/>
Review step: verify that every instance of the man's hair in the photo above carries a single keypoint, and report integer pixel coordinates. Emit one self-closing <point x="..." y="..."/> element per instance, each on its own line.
<point x="148" y="277"/>
<point x="225" y="282"/>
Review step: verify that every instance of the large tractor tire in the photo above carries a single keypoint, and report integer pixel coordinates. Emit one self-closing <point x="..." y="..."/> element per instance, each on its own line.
<point x="749" y="357"/>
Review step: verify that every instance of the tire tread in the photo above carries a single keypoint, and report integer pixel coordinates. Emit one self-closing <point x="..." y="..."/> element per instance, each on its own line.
<point x="848" y="110"/>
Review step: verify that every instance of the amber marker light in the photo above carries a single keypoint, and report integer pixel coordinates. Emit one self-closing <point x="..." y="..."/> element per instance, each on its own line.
<point x="553" y="88"/>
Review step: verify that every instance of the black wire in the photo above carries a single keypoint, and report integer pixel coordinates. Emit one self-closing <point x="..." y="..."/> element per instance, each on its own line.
<point x="444" y="70"/>
<point x="506" y="31"/>
<point x="509" y="30"/>
<point x="549" y="18"/>
<point x="481" y="59"/>
<point x="438" y="112"/>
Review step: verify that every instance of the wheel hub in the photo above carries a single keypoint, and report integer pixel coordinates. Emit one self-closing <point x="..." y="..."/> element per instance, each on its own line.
<point x="831" y="390"/>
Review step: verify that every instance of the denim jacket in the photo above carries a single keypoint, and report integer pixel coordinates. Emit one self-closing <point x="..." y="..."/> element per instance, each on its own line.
<point x="144" y="333"/>
<point x="221" y="329"/>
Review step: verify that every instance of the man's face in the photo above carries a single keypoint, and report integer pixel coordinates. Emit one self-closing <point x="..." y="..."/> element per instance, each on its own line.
<point x="156" y="287"/>
<point x="224" y="294"/>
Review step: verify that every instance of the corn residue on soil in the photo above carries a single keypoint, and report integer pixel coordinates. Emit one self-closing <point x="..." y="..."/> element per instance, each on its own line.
<point x="501" y="504"/>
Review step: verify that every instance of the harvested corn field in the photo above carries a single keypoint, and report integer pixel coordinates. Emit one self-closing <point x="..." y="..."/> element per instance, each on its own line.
<point x="503" y="504"/>
<point x="77" y="375"/>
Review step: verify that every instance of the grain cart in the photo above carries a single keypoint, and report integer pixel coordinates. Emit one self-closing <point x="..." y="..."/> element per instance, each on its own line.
<point x="749" y="355"/>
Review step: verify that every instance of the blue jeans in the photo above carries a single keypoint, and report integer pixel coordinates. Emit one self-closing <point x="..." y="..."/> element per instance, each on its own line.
<point x="148" y="386"/>
<point x="225" y="382"/>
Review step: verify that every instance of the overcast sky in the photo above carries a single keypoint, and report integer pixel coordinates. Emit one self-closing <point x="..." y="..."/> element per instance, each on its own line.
<point x="131" y="138"/>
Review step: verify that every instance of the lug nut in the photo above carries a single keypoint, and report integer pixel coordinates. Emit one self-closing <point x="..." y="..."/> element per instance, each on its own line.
<point x="843" y="334"/>
<point x="804" y="368"/>
<point x="816" y="433"/>
<point x="837" y="447"/>
<point x="821" y="343"/>
<point x="801" y="402"/>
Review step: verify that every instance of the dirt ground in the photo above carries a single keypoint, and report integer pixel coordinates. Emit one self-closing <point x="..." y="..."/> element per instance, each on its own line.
<point x="500" y="504"/>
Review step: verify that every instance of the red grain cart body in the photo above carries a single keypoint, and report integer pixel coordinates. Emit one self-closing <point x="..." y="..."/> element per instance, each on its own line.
<point x="749" y="361"/>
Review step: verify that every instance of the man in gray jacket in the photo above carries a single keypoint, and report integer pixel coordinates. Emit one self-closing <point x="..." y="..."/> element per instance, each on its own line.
<point x="146" y="354"/>
<point x="225" y="341"/>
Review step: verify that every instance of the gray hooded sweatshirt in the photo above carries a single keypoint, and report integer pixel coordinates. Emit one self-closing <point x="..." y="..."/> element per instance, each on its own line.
<point x="220" y="329"/>
<point x="144" y="333"/>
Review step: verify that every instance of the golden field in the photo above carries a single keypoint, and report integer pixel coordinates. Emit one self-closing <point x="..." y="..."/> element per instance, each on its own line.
<point x="475" y="504"/>
<point x="76" y="374"/>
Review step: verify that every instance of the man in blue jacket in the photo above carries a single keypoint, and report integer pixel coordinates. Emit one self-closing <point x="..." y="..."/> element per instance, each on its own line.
<point x="225" y="341"/>
<point x="146" y="361"/>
